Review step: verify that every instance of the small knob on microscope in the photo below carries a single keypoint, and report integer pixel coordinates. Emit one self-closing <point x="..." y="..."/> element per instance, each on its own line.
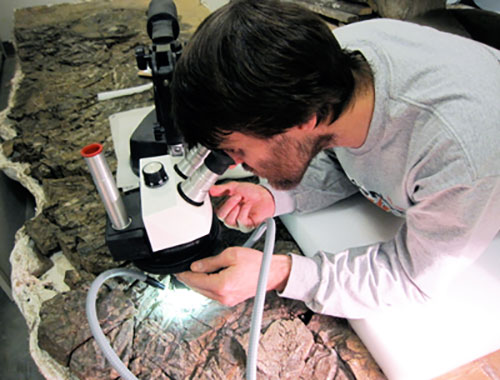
<point x="154" y="174"/>
<point x="140" y="57"/>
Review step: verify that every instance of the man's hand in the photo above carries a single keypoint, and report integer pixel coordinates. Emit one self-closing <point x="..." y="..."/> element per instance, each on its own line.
<point x="247" y="205"/>
<point x="236" y="275"/>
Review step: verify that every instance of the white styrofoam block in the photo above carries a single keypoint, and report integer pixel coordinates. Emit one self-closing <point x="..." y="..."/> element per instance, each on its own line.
<point x="123" y="125"/>
<point x="416" y="342"/>
<point x="212" y="5"/>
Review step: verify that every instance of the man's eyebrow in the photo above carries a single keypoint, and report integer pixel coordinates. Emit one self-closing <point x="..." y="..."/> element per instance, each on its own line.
<point x="224" y="145"/>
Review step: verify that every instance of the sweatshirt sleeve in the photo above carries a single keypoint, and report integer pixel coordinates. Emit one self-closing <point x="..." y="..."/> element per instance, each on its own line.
<point x="324" y="183"/>
<point x="443" y="234"/>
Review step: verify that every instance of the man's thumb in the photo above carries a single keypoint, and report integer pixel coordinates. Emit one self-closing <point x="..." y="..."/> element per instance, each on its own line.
<point x="209" y="264"/>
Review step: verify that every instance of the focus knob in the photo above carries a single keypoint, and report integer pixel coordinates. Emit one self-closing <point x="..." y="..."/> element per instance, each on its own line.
<point x="154" y="174"/>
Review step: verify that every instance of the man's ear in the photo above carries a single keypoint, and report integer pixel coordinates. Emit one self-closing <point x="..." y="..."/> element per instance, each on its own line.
<point x="310" y="124"/>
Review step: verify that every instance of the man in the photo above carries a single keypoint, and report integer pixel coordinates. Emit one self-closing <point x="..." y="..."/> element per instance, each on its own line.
<point x="405" y="114"/>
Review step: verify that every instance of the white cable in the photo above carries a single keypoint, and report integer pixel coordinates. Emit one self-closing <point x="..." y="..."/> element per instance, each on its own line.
<point x="258" y="306"/>
<point x="106" y="95"/>
<point x="255" y="236"/>
<point x="91" y="311"/>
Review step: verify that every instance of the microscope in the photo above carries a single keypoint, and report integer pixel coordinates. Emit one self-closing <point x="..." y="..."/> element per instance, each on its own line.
<point x="168" y="222"/>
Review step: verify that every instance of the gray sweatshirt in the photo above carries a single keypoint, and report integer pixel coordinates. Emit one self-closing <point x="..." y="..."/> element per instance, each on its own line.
<point x="432" y="156"/>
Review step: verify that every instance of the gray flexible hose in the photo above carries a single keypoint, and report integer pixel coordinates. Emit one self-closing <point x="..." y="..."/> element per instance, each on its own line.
<point x="258" y="305"/>
<point x="91" y="311"/>
<point x="251" y="368"/>
<point x="255" y="236"/>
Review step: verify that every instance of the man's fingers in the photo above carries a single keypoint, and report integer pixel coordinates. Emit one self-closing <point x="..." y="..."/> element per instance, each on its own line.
<point x="230" y="219"/>
<point x="228" y="206"/>
<point x="211" y="264"/>
<point x="196" y="281"/>
<point x="244" y="216"/>
<point x="229" y="278"/>
<point x="205" y="291"/>
<point x="242" y="220"/>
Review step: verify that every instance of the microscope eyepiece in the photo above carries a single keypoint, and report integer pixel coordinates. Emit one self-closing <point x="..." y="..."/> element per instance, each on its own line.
<point x="218" y="162"/>
<point x="163" y="26"/>
<point x="195" y="189"/>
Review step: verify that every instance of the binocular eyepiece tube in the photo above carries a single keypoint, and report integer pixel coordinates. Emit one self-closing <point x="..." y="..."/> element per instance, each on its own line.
<point x="193" y="160"/>
<point x="195" y="189"/>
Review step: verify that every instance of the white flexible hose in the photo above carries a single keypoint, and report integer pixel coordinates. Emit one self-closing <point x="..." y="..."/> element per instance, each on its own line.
<point x="255" y="236"/>
<point x="258" y="307"/>
<point x="91" y="311"/>
<point x="123" y="92"/>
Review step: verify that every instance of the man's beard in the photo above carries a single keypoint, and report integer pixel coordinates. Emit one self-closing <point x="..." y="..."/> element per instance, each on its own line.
<point x="290" y="159"/>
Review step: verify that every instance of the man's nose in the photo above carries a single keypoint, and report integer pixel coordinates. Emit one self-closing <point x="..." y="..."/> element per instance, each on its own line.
<point x="236" y="158"/>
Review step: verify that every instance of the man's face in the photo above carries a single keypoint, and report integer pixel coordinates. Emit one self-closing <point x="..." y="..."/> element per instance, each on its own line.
<point x="282" y="159"/>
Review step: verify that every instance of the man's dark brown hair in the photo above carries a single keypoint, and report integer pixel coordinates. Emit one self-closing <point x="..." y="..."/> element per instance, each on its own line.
<point x="259" y="67"/>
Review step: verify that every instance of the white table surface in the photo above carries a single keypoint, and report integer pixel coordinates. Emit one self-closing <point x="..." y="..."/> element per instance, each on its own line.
<point x="416" y="342"/>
